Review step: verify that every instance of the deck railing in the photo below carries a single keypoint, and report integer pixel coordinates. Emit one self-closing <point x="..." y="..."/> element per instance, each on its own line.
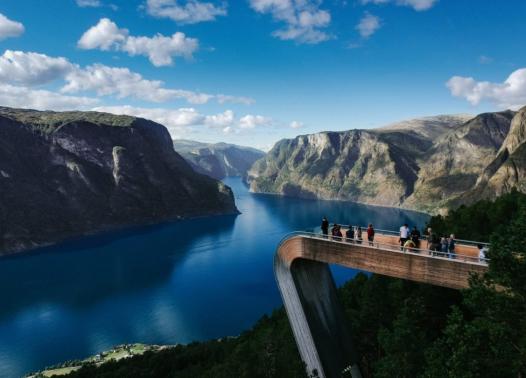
<point x="394" y="247"/>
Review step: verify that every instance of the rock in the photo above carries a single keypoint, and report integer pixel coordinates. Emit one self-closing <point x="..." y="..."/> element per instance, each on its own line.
<point x="72" y="173"/>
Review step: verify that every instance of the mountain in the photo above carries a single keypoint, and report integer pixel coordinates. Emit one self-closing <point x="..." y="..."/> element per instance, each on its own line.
<point x="72" y="173"/>
<point x="508" y="169"/>
<point x="218" y="160"/>
<point x="428" y="164"/>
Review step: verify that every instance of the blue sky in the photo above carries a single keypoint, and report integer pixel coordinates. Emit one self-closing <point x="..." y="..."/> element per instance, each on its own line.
<point x="255" y="71"/>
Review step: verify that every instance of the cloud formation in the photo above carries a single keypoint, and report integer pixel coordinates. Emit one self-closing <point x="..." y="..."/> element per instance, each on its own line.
<point x="30" y="69"/>
<point x="159" y="49"/>
<point x="10" y="28"/>
<point x="304" y="19"/>
<point x="368" y="25"/>
<point x="179" y="120"/>
<point x="251" y="121"/>
<point x="418" y="5"/>
<point x="509" y="94"/>
<point x="191" y="12"/>
<point x="296" y="125"/>
<point x="24" y="97"/>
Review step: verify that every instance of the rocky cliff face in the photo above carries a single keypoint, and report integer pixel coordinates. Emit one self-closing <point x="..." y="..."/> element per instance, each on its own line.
<point x="507" y="170"/>
<point x="66" y="174"/>
<point x="428" y="164"/>
<point x="218" y="160"/>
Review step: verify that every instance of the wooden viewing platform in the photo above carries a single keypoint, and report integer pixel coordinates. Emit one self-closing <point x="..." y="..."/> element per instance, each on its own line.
<point x="301" y="266"/>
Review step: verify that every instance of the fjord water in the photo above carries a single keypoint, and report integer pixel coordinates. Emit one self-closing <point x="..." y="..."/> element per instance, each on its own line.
<point x="172" y="283"/>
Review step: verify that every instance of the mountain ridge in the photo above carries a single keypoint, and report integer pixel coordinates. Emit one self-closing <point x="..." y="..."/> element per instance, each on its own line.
<point x="397" y="165"/>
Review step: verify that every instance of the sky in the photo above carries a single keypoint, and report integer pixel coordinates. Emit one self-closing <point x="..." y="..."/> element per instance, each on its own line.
<point x="252" y="72"/>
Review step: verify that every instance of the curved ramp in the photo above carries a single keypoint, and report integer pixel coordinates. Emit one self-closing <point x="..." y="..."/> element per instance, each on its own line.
<point x="301" y="266"/>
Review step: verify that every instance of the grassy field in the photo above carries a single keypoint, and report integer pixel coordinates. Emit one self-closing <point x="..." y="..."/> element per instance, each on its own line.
<point x="116" y="354"/>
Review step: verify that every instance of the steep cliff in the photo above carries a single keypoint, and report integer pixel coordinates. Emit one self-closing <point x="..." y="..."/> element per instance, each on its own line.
<point x="218" y="160"/>
<point x="71" y="173"/>
<point x="508" y="169"/>
<point x="426" y="164"/>
<point x="452" y="166"/>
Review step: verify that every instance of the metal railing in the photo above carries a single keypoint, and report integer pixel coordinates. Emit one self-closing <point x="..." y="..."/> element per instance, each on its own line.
<point x="397" y="233"/>
<point x="393" y="247"/>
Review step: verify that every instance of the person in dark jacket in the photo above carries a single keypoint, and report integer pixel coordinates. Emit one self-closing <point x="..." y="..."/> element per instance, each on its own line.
<point x="415" y="237"/>
<point x="325" y="226"/>
<point x="370" y="234"/>
<point x="349" y="235"/>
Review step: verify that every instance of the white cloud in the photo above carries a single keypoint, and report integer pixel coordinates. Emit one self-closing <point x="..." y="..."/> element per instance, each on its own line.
<point x="191" y="12"/>
<point x="176" y="120"/>
<point x="31" y="68"/>
<point x="23" y="97"/>
<point x="88" y="3"/>
<point x="418" y="5"/>
<point x="159" y="49"/>
<point x="509" y="94"/>
<point x="179" y="121"/>
<point x="304" y="19"/>
<point x="251" y="121"/>
<point x="225" y="119"/>
<point x="296" y="125"/>
<point x="106" y="35"/>
<point x="10" y="28"/>
<point x="122" y="83"/>
<point x="368" y="25"/>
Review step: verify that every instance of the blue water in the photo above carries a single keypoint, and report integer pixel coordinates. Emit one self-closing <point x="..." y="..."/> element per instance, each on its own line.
<point x="172" y="283"/>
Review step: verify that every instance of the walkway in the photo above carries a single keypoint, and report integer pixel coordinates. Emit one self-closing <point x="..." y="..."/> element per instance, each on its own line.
<point x="310" y="297"/>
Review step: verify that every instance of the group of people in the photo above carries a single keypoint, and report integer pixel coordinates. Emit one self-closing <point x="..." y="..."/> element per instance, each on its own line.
<point x="352" y="234"/>
<point x="441" y="246"/>
<point x="410" y="239"/>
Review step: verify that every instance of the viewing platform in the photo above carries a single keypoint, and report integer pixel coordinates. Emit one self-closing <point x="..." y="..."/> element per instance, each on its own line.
<point x="301" y="266"/>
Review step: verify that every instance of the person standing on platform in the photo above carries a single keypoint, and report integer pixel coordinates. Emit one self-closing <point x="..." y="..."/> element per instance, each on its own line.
<point x="404" y="235"/>
<point x="349" y="234"/>
<point x="325" y="226"/>
<point x="370" y="234"/>
<point x="415" y="237"/>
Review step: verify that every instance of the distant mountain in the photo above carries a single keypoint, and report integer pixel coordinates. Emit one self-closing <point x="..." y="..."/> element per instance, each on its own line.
<point x="426" y="164"/>
<point x="218" y="160"/>
<point x="71" y="173"/>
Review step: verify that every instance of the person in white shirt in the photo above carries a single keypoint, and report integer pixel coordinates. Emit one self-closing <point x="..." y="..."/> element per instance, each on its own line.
<point x="404" y="235"/>
<point x="482" y="253"/>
